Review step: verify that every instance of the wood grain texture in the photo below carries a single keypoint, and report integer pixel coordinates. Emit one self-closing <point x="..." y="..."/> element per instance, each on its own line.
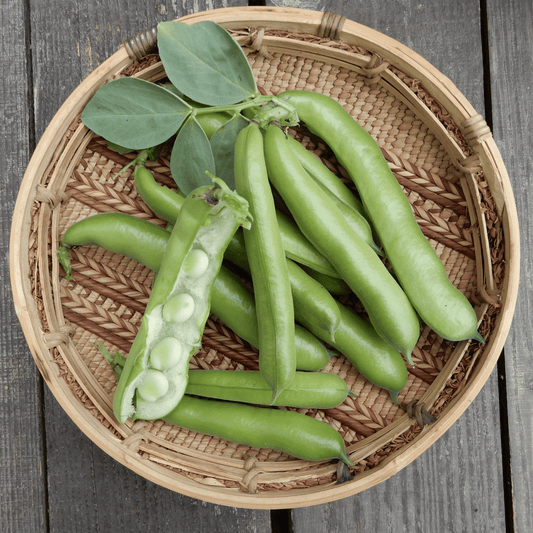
<point x="446" y="488"/>
<point x="88" y="490"/>
<point x="511" y="73"/>
<point x="441" y="32"/>
<point x="75" y="37"/>
<point x="53" y="478"/>
<point x="22" y="471"/>
<point x="91" y="492"/>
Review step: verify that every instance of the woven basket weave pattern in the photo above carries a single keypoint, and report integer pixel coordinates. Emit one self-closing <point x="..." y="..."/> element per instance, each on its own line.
<point x="106" y="300"/>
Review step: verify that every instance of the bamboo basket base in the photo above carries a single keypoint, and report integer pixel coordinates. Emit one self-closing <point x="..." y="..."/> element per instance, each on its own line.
<point x="441" y="154"/>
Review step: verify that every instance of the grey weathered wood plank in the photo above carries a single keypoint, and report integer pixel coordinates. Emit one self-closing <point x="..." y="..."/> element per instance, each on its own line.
<point x="22" y="467"/>
<point x="72" y="38"/>
<point x="447" y="489"/>
<point x="91" y="492"/>
<point x="511" y="72"/>
<point x="87" y="489"/>
<point x="456" y="485"/>
<point x="441" y="491"/>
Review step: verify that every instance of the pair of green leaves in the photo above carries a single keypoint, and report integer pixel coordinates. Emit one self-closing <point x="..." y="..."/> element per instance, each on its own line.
<point x="208" y="72"/>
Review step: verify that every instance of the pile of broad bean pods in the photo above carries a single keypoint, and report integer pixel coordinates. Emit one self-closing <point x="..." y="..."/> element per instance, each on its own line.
<point x="330" y="242"/>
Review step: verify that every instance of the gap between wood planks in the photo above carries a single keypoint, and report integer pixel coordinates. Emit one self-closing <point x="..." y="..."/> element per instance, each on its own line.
<point x="500" y="365"/>
<point x="281" y="521"/>
<point x="32" y="144"/>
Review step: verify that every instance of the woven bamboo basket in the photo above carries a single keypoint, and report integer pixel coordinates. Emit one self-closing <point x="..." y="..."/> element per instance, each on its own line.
<point x="437" y="146"/>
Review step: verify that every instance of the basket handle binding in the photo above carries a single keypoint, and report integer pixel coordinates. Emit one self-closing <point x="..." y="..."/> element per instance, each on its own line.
<point x="145" y="42"/>
<point x="331" y="26"/>
<point x="141" y="44"/>
<point x="476" y="130"/>
<point x="45" y="195"/>
<point x="252" y="470"/>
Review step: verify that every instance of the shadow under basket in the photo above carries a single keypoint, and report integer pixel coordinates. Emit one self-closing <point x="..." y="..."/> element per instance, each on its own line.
<point x="443" y="155"/>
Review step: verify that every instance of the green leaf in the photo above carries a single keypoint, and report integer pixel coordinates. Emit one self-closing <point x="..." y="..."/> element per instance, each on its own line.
<point x="119" y="149"/>
<point x="205" y="63"/>
<point x="223" y="147"/>
<point x="191" y="157"/>
<point x="169" y="87"/>
<point x="135" y="113"/>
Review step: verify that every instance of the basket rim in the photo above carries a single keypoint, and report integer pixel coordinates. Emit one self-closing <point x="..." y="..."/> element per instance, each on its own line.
<point x="310" y="20"/>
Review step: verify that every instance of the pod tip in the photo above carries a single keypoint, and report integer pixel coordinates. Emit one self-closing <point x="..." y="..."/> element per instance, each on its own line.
<point x="377" y="249"/>
<point x="408" y="358"/>
<point x="64" y="260"/>
<point x="274" y="397"/>
<point x="393" y="395"/>
<point x="345" y="459"/>
<point x="478" y="337"/>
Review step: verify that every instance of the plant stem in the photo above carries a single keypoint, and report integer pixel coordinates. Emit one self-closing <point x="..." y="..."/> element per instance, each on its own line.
<point x="258" y="100"/>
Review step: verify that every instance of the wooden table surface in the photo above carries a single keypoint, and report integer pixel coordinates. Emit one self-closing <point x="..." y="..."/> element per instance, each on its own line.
<point x="477" y="478"/>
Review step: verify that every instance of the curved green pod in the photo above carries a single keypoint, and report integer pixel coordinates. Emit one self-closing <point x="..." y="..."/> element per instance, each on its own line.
<point x="154" y="377"/>
<point x="320" y="173"/>
<point x="166" y="203"/>
<point x="268" y="266"/>
<point x="372" y="356"/>
<point x="312" y="301"/>
<point x="335" y="286"/>
<point x="211" y="122"/>
<point x="234" y="304"/>
<point x="119" y="233"/>
<point x="231" y="300"/>
<point x="309" y="297"/>
<point x="294" y="433"/>
<point x="355" y="220"/>
<point x="298" y="248"/>
<point x="389" y="309"/>
<point x="308" y="390"/>
<point x="418" y="268"/>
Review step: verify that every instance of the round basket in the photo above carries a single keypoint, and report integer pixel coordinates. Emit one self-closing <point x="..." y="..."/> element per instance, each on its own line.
<point x="441" y="152"/>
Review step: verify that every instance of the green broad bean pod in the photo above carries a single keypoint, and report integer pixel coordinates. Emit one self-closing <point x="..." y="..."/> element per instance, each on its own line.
<point x="235" y="305"/>
<point x="166" y="203"/>
<point x="319" y="218"/>
<point x="319" y="172"/>
<point x="231" y="300"/>
<point x="290" y="432"/>
<point x="154" y="377"/>
<point x="119" y="233"/>
<point x="299" y="249"/>
<point x="373" y="357"/>
<point x="335" y="286"/>
<point x="268" y="266"/>
<point x="312" y="301"/>
<point x="211" y="122"/>
<point x="355" y="220"/>
<point x="416" y="265"/>
<point x="309" y="297"/>
<point x="308" y="390"/>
